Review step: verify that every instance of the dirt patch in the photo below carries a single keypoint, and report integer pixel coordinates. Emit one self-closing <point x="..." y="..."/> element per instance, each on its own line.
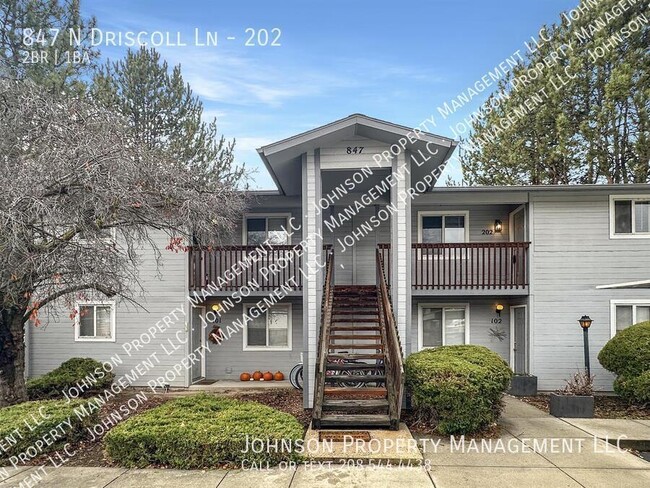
<point x="285" y="400"/>
<point x="605" y="407"/>
<point x="417" y="425"/>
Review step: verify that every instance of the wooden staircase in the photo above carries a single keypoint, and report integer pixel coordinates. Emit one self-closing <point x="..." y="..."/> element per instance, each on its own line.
<point x="353" y="388"/>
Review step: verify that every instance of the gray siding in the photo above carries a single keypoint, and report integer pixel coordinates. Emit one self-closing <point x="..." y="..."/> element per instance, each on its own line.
<point x="572" y="254"/>
<point x="53" y="342"/>
<point x="228" y="360"/>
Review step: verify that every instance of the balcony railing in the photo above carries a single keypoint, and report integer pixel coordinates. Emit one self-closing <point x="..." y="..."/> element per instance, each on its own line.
<point x="229" y="268"/>
<point x="473" y="265"/>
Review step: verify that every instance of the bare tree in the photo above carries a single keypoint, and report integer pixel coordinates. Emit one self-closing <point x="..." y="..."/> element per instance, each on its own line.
<point x="72" y="174"/>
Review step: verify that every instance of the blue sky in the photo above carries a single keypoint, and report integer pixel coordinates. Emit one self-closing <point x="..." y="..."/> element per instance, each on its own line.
<point x="394" y="60"/>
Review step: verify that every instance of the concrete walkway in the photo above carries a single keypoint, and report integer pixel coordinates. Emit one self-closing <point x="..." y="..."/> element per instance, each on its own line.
<point x="534" y="450"/>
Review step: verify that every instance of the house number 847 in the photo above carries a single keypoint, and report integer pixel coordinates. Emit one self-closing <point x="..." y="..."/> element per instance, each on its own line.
<point x="354" y="150"/>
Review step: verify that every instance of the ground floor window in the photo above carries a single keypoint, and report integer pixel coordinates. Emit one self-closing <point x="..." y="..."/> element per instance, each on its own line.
<point x="95" y="321"/>
<point x="267" y="329"/>
<point x="626" y="313"/>
<point x="443" y="325"/>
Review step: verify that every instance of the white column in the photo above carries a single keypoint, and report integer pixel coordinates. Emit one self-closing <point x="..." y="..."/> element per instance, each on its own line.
<point x="401" y="247"/>
<point x="312" y="281"/>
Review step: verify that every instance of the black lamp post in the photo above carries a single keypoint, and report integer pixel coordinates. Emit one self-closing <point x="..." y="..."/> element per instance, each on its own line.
<point x="585" y="322"/>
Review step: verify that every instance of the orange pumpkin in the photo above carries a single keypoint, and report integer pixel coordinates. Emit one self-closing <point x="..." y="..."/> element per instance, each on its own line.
<point x="278" y="376"/>
<point x="257" y="375"/>
<point x="245" y="377"/>
<point x="268" y="376"/>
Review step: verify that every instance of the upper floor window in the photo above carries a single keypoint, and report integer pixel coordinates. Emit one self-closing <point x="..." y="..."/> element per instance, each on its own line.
<point x="259" y="229"/>
<point x="626" y="313"/>
<point x="268" y="329"/>
<point x="95" y="321"/>
<point x="438" y="228"/>
<point x="629" y="216"/>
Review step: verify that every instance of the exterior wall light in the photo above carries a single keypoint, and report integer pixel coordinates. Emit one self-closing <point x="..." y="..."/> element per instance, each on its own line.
<point x="216" y="307"/>
<point x="498" y="226"/>
<point x="499" y="309"/>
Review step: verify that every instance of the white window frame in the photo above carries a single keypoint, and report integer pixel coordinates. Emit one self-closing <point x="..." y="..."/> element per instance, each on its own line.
<point x="450" y="213"/>
<point x="442" y="306"/>
<point x="288" y="347"/>
<point x="612" y="217"/>
<point x="267" y="216"/>
<point x="77" y="325"/>
<point x="612" y="311"/>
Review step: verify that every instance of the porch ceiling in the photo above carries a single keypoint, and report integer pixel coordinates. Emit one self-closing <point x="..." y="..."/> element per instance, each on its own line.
<point x="283" y="158"/>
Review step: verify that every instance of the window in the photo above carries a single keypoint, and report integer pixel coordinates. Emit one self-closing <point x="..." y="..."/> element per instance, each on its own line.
<point x="95" y="321"/>
<point x="443" y="325"/>
<point x="629" y="216"/>
<point x="258" y="229"/>
<point x="626" y="313"/>
<point x="437" y="228"/>
<point x="267" y="329"/>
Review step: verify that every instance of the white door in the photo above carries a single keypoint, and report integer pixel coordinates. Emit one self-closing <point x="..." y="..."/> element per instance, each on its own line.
<point x="197" y="337"/>
<point x="519" y="339"/>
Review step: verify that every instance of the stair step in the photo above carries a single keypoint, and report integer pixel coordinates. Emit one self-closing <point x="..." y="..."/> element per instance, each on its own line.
<point x="348" y="306"/>
<point x="356" y="378"/>
<point x="335" y="356"/>
<point x="351" y="366"/>
<point x="355" y="312"/>
<point x="357" y="405"/>
<point x="360" y="321"/>
<point x="355" y="346"/>
<point x="361" y="337"/>
<point x="354" y="393"/>
<point x="348" y="328"/>
<point x="350" y="420"/>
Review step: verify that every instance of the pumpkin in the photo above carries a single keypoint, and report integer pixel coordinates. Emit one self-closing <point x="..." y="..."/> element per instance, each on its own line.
<point x="268" y="376"/>
<point x="257" y="375"/>
<point x="245" y="377"/>
<point x="278" y="376"/>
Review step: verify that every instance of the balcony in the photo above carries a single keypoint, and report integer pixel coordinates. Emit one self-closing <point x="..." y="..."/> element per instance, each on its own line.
<point x="228" y="268"/>
<point x="480" y="266"/>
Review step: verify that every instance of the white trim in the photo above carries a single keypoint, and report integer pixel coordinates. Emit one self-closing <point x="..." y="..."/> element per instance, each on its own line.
<point x="288" y="347"/>
<point x="629" y="284"/>
<point x="244" y="233"/>
<point x="512" y="336"/>
<point x="612" y="220"/>
<point x="511" y="227"/>
<point x="451" y="213"/>
<point x="629" y="302"/>
<point x="77" y="322"/>
<point x="442" y="306"/>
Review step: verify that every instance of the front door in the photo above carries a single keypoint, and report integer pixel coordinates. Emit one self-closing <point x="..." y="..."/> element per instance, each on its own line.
<point x="519" y="341"/>
<point x="196" y="341"/>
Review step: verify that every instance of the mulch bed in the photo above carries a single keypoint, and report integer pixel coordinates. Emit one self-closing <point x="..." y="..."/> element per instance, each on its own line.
<point x="285" y="400"/>
<point x="605" y="407"/>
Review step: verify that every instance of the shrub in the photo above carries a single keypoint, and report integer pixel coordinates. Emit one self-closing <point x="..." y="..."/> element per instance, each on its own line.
<point x="635" y="389"/>
<point x="581" y="384"/>
<point x="459" y="387"/>
<point x="83" y="373"/>
<point x="628" y="352"/>
<point x="202" y="431"/>
<point x="627" y="355"/>
<point x="29" y="424"/>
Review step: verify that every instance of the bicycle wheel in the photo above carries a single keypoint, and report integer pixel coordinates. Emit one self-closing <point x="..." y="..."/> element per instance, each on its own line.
<point x="295" y="377"/>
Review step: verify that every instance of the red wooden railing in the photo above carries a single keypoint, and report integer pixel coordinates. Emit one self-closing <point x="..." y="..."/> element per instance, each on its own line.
<point x="472" y="265"/>
<point x="229" y="268"/>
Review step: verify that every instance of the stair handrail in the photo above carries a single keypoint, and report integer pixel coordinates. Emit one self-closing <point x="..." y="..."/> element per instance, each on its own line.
<point x="327" y="304"/>
<point x="393" y="358"/>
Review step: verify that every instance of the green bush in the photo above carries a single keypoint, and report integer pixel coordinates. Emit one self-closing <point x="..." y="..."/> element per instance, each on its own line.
<point x="85" y="374"/>
<point x="628" y="352"/>
<point x="627" y="355"/>
<point x="457" y="387"/>
<point x="634" y="389"/>
<point x="32" y="424"/>
<point x="202" y="431"/>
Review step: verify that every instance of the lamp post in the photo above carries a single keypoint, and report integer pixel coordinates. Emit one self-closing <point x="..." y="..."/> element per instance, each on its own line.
<point x="585" y="322"/>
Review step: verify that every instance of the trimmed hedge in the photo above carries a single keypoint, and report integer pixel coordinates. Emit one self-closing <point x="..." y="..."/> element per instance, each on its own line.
<point x="457" y="387"/>
<point x="29" y="426"/>
<point x="202" y="431"/>
<point x="627" y="355"/>
<point x="83" y="373"/>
